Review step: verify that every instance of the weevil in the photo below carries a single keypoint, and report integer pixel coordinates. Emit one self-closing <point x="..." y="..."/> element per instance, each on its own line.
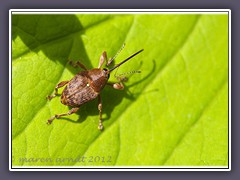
<point x="87" y="85"/>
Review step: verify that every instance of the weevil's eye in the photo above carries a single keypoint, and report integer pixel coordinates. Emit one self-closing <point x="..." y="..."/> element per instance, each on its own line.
<point x="106" y="72"/>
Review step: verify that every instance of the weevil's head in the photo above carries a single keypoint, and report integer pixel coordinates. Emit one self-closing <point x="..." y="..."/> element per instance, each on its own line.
<point x="106" y="73"/>
<point x="99" y="77"/>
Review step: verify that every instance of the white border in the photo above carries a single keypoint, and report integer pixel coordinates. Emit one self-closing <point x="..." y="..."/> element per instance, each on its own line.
<point x="10" y="90"/>
<point x="121" y="168"/>
<point x="119" y="11"/>
<point x="229" y="87"/>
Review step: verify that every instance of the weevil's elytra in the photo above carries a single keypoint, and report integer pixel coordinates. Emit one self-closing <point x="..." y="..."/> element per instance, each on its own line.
<point x="79" y="89"/>
<point x="87" y="85"/>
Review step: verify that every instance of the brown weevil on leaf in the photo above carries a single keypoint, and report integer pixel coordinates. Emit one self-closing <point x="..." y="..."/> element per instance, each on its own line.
<point x="87" y="85"/>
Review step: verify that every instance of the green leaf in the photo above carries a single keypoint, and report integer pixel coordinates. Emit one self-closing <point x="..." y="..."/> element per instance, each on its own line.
<point x="175" y="113"/>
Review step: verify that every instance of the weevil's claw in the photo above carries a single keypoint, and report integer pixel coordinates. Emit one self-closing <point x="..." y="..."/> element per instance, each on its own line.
<point x="50" y="97"/>
<point x="70" y="62"/>
<point x="51" y="120"/>
<point x="100" y="127"/>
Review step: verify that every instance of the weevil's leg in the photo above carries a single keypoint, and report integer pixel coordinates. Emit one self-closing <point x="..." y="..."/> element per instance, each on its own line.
<point x="118" y="86"/>
<point x="111" y="59"/>
<point x="61" y="84"/>
<point x="100" y="125"/>
<point x="121" y="78"/>
<point x="71" y="111"/>
<point x="77" y="64"/>
<point x="103" y="57"/>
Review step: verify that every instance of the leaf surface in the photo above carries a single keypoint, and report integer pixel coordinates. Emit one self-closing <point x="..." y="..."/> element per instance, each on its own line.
<point x="174" y="113"/>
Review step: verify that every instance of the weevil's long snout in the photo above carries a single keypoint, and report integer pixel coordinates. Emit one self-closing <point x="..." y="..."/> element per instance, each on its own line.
<point x="125" y="60"/>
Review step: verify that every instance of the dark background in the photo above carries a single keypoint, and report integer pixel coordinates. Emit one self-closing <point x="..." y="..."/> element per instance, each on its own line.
<point x="5" y="5"/>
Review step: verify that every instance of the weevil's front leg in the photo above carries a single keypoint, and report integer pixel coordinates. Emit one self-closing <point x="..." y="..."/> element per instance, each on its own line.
<point x="118" y="86"/>
<point x="121" y="78"/>
<point x="73" y="110"/>
<point x="103" y="58"/>
<point x="61" y="84"/>
<point x="77" y="64"/>
<point x="100" y="125"/>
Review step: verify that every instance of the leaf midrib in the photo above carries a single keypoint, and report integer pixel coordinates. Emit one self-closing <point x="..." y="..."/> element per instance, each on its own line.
<point x="145" y="87"/>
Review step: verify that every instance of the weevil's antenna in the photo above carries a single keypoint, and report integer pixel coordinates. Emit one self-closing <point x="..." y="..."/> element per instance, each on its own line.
<point x="129" y="72"/>
<point x="121" y="76"/>
<point x="125" y="60"/>
<point x="111" y="60"/>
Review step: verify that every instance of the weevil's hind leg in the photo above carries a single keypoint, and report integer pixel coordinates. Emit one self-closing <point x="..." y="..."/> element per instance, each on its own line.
<point x="100" y="125"/>
<point x="59" y="85"/>
<point x="77" y="64"/>
<point x="73" y="110"/>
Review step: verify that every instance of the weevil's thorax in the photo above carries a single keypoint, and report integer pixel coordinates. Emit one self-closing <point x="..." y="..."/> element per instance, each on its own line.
<point x="99" y="78"/>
